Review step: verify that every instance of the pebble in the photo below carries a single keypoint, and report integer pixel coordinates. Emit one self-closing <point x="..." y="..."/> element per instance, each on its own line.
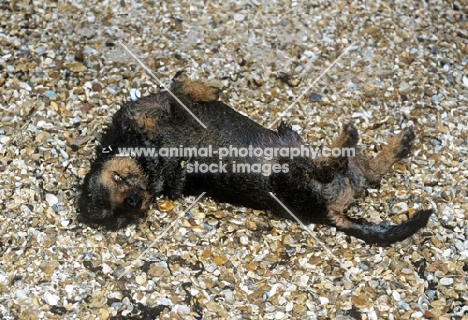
<point x="403" y="87"/>
<point x="69" y="290"/>
<point x="239" y="17"/>
<point x="4" y="139"/>
<point x="309" y="54"/>
<point x="50" y="94"/>
<point x="436" y="98"/>
<point x="296" y="128"/>
<point x="51" y="199"/>
<point x="407" y="271"/>
<point x="304" y="281"/>
<point x="465" y="81"/>
<point x="228" y="295"/>
<point x="446" y="281"/>
<point x="315" y="97"/>
<point x="164" y="302"/>
<point x="135" y="94"/>
<point x="113" y="89"/>
<point x="51" y="299"/>
<point x="22" y="294"/>
<point x="399" y="208"/>
<point x="364" y="265"/>
<point x="96" y="87"/>
<point x="244" y="240"/>
<point x="25" y="86"/>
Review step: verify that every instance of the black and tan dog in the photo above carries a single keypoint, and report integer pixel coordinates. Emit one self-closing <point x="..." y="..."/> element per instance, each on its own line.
<point x="119" y="189"/>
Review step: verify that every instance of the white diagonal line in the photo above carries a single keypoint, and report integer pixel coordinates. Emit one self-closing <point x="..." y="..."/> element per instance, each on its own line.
<point x="161" y="84"/>
<point x="313" y="83"/>
<point x="161" y="235"/>
<point x="310" y="232"/>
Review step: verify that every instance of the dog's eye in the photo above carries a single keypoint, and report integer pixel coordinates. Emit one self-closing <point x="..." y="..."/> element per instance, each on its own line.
<point x="117" y="177"/>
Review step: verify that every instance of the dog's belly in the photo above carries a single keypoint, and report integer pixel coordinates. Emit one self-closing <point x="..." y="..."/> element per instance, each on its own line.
<point x="248" y="190"/>
<point x="253" y="191"/>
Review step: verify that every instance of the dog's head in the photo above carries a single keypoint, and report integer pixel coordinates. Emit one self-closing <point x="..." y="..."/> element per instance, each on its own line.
<point x="114" y="192"/>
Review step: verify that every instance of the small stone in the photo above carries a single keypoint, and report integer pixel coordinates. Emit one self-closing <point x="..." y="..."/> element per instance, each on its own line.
<point x="199" y="215"/>
<point x="56" y="208"/>
<point x="141" y="279"/>
<point x="396" y="295"/>
<point x="49" y="269"/>
<point x="315" y="97"/>
<point x="244" y="240"/>
<point x="400" y="208"/>
<point x="436" y="98"/>
<point x="446" y="281"/>
<point x="219" y="260"/>
<point x="51" y="94"/>
<point x="210" y="268"/>
<point x="25" y="86"/>
<point x="309" y="54"/>
<point x="155" y="271"/>
<point x="78" y="141"/>
<point x="239" y="17"/>
<point x="251" y="225"/>
<point x="135" y="94"/>
<point x="364" y="265"/>
<point x="228" y="295"/>
<point x="164" y="302"/>
<point x="106" y="269"/>
<point x="304" y="281"/>
<point x="361" y="301"/>
<point x="69" y="290"/>
<point x="465" y="81"/>
<point x="407" y="271"/>
<point x="51" y="199"/>
<point x="418" y="315"/>
<point x="51" y="299"/>
<point x="76" y="67"/>
<point x="398" y="39"/>
<point x="165" y="206"/>
<point x="22" y="294"/>
<point x="104" y="313"/>
<point x="96" y="87"/>
<point x="113" y="89"/>
<point x="4" y="139"/>
<point x="403" y="87"/>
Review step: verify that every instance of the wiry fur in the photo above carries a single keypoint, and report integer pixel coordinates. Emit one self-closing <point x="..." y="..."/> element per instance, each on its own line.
<point x="116" y="190"/>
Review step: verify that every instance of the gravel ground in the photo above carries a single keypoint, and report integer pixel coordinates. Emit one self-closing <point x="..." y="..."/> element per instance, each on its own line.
<point x="63" y="74"/>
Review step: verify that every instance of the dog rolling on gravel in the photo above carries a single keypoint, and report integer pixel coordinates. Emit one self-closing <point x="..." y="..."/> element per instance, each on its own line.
<point x="119" y="189"/>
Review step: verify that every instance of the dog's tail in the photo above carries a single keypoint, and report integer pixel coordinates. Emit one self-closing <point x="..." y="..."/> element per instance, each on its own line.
<point x="383" y="234"/>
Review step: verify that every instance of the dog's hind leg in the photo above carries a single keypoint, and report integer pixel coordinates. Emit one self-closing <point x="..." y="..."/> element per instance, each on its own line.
<point x="327" y="166"/>
<point x="398" y="147"/>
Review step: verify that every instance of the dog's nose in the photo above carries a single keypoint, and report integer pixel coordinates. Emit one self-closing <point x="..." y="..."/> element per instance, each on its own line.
<point x="134" y="201"/>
